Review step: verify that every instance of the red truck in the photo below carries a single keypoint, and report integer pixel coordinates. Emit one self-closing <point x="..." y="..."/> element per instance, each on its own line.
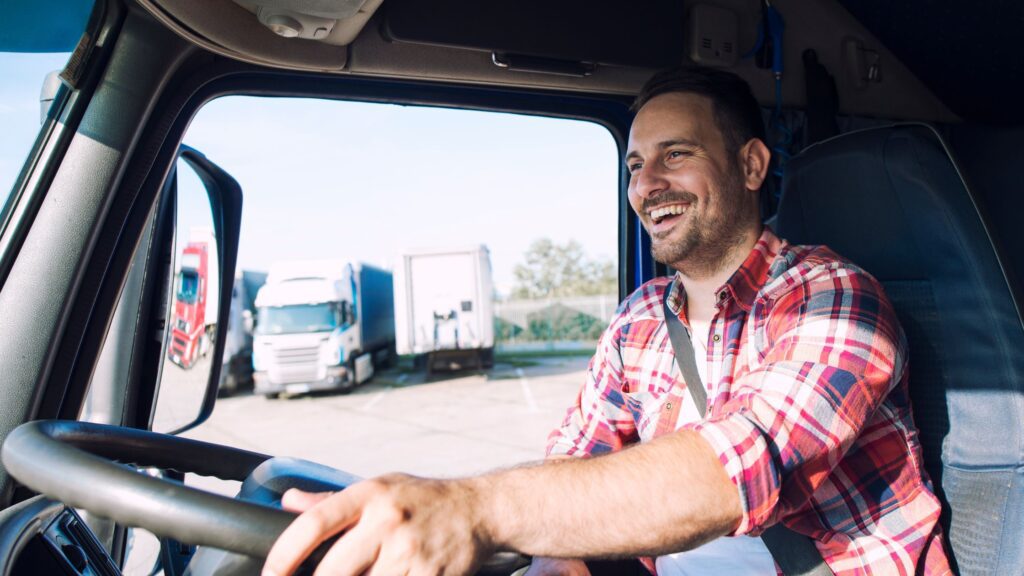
<point x="195" y="301"/>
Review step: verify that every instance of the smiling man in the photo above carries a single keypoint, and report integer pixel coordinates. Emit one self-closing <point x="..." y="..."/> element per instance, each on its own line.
<point x="806" y="422"/>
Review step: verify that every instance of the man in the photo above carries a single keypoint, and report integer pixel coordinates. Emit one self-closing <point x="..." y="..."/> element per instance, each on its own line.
<point x="804" y="364"/>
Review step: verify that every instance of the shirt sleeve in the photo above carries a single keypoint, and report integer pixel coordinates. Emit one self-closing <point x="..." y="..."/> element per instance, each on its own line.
<point x="832" y="350"/>
<point x="598" y="422"/>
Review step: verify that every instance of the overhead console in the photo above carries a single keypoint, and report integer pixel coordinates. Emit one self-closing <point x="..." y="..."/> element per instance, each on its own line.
<point x="569" y="37"/>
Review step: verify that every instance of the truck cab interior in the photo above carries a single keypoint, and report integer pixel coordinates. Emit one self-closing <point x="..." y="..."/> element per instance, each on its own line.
<point x="896" y="132"/>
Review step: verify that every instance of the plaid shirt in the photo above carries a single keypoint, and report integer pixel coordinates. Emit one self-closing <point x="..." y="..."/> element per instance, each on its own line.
<point x="808" y="408"/>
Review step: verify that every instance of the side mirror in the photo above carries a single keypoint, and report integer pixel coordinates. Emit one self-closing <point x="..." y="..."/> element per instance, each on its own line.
<point x="208" y="220"/>
<point x="48" y="93"/>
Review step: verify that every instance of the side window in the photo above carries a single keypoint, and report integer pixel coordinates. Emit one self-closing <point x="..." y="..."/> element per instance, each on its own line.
<point x="29" y="83"/>
<point x="191" y="303"/>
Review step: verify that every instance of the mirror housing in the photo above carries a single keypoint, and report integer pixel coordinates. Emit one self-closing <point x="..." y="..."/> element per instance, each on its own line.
<point x="225" y="196"/>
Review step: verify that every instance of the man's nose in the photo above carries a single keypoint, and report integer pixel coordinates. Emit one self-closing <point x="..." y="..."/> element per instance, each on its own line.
<point x="649" y="180"/>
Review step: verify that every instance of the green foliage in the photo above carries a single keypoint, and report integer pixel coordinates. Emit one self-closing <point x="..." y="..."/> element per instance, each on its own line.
<point x="558" y="270"/>
<point x="561" y="323"/>
<point x="505" y="330"/>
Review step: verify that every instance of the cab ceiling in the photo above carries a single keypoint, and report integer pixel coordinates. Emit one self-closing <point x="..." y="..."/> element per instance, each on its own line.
<point x="571" y="44"/>
<point x="968" y="53"/>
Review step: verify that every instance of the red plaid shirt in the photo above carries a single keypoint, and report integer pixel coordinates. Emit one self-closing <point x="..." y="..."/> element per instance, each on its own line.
<point x="808" y="408"/>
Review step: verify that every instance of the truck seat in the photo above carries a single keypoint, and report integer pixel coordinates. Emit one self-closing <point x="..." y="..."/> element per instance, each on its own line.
<point x="893" y="200"/>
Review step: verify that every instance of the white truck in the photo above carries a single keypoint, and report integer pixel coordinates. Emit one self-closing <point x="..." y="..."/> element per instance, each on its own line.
<point x="321" y="325"/>
<point x="444" y="307"/>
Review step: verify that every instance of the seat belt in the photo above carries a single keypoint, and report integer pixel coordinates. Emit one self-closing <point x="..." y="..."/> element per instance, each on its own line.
<point x="795" y="553"/>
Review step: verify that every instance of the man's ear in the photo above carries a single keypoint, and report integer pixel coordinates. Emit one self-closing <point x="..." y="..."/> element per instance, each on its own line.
<point x="754" y="158"/>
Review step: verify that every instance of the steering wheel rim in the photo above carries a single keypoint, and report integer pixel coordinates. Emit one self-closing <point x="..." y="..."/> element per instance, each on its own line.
<point x="45" y="454"/>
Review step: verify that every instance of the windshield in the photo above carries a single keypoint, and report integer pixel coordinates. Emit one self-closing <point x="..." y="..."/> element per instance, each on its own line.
<point x="188" y="286"/>
<point x="297" y="319"/>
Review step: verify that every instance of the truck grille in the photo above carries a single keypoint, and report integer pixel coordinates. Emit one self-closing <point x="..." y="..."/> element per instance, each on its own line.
<point x="296" y="365"/>
<point x="291" y="356"/>
<point x="178" y="345"/>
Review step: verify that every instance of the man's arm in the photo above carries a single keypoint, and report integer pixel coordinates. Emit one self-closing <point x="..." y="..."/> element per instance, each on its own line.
<point x="663" y="496"/>
<point x="667" y="495"/>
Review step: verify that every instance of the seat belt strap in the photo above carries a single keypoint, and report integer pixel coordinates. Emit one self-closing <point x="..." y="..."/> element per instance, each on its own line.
<point x="795" y="553"/>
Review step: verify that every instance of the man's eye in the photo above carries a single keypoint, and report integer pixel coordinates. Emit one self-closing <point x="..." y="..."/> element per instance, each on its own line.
<point x="677" y="154"/>
<point x="632" y="168"/>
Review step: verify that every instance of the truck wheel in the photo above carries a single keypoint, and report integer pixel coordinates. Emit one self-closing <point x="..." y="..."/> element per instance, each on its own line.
<point x="487" y="358"/>
<point x="351" y="384"/>
<point x="272" y="395"/>
<point x="228" y="383"/>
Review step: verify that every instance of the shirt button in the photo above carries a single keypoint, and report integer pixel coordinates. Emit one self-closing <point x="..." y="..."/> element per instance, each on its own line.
<point x="716" y="338"/>
<point x="668" y="406"/>
<point x="722" y="295"/>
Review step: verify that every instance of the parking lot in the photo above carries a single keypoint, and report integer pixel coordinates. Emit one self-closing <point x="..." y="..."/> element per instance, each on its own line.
<point x="447" y="424"/>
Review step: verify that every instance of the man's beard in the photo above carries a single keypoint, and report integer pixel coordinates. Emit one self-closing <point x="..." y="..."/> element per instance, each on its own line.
<point x="706" y="244"/>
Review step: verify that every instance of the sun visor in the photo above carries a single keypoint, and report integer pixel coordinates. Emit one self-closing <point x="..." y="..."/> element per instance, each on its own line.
<point x="643" y="34"/>
<point x="43" y="25"/>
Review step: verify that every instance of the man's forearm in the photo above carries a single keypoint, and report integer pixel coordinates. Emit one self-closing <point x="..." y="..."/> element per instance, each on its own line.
<point x="664" y="496"/>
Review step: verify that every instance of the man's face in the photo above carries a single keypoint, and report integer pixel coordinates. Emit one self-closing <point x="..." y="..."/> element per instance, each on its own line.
<point x="686" y="187"/>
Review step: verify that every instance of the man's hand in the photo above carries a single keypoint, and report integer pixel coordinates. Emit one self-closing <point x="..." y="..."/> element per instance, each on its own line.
<point x="557" y="567"/>
<point x="395" y="524"/>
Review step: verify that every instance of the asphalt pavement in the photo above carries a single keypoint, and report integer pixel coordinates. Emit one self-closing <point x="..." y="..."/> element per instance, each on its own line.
<point x="441" y="425"/>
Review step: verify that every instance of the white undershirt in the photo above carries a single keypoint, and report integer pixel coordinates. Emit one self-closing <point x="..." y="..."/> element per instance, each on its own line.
<point x="736" y="556"/>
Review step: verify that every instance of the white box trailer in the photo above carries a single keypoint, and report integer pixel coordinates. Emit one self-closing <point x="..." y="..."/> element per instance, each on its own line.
<point x="444" y="306"/>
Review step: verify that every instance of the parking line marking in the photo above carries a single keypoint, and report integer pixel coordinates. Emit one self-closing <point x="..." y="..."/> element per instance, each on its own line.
<point x="527" y="393"/>
<point x="373" y="401"/>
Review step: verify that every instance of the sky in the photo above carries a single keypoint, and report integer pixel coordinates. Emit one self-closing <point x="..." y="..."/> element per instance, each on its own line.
<point x="21" y="79"/>
<point x="361" y="182"/>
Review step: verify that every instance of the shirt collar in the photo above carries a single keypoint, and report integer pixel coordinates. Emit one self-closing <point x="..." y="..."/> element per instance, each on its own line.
<point x="743" y="286"/>
<point x="753" y="274"/>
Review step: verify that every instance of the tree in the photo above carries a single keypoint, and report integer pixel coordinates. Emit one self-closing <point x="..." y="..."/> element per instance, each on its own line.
<point x="561" y="323"/>
<point x="558" y="270"/>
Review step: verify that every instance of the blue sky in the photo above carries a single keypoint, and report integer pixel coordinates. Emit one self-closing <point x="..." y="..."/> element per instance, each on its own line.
<point x="21" y="79"/>
<point x="330" y="179"/>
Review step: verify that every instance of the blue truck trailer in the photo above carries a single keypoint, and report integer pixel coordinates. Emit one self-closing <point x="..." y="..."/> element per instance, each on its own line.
<point x="236" y="368"/>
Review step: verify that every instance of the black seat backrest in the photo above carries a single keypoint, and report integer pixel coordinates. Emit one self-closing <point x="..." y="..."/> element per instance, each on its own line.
<point x="892" y="200"/>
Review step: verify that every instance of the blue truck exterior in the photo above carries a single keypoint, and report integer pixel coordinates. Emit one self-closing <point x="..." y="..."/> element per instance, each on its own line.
<point x="375" y="313"/>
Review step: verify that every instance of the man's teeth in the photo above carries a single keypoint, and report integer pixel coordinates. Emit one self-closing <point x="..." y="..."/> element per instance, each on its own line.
<point x="664" y="211"/>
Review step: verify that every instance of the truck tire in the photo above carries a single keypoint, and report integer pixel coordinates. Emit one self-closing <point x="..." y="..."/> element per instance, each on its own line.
<point x="487" y="358"/>
<point x="351" y="364"/>
<point x="228" y="382"/>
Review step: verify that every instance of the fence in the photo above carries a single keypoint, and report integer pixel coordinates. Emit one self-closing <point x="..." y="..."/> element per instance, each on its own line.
<point x="554" y="323"/>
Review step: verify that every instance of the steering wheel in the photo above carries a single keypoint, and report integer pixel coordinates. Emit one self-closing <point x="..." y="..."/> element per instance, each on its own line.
<point x="90" y="466"/>
<point x="83" y="465"/>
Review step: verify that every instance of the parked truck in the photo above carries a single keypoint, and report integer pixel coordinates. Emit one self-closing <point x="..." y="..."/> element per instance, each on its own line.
<point x="196" y="291"/>
<point x="236" y="367"/>
<point x="444" y="309"/>
<point x="322" y="325"/>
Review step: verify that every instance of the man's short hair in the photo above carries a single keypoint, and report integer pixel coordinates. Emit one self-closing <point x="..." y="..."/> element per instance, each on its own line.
<point x="737" y="113"/>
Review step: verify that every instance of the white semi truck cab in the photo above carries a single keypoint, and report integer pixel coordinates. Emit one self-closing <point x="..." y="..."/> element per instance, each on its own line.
<point x="321" y="326"/>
